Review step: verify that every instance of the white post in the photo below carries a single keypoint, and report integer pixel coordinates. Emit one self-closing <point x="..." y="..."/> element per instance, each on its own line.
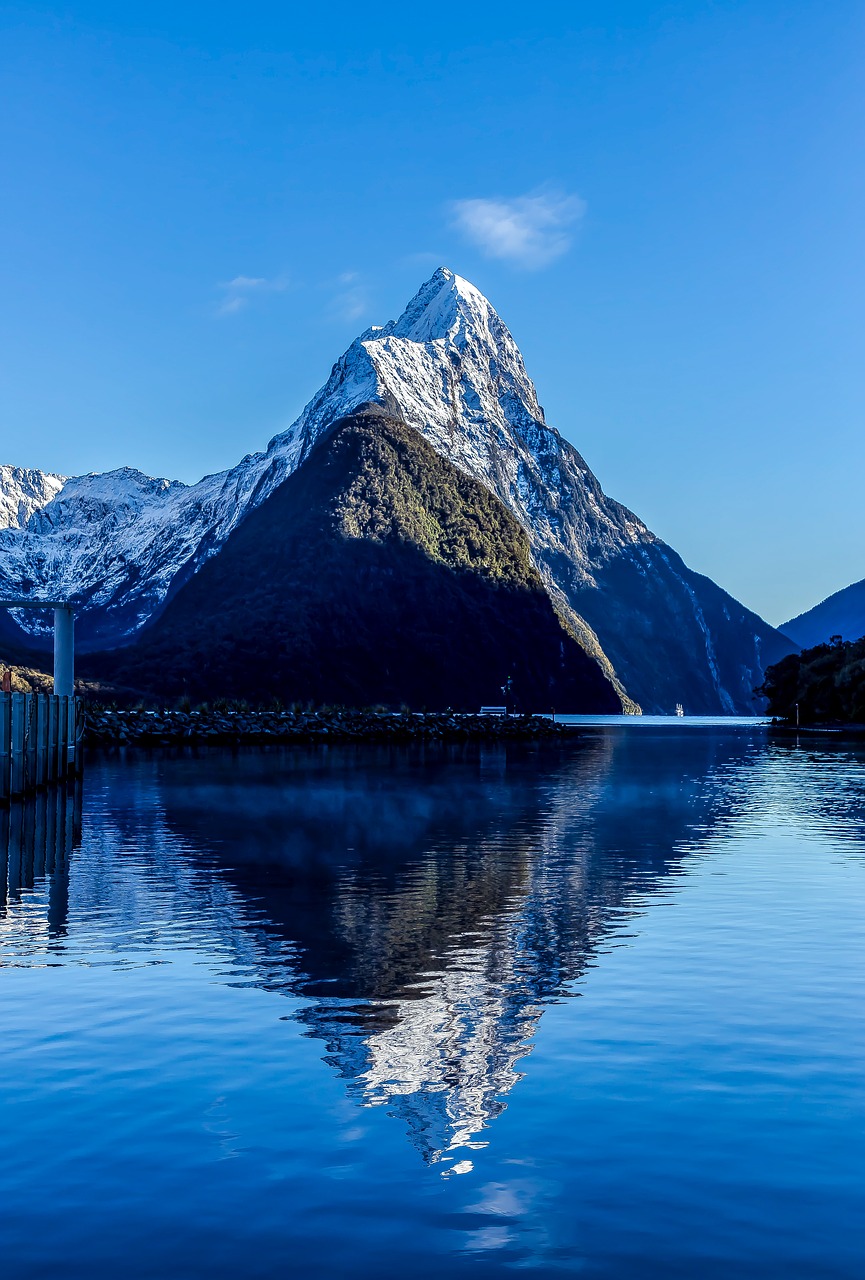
<point x="64" y="652"/>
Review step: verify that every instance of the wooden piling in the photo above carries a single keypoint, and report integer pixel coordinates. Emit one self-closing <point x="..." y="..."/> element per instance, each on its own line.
<point x="16" y="762"/>
<point x="53" y="743"/>
<point x="30" y="744"/>
<point x="40" y="742"/>
<point x="41" y="739"/>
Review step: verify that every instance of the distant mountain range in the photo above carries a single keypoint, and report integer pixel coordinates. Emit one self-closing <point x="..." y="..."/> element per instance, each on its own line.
<point x="841" y="614"/>
<point x="130" y="550"/>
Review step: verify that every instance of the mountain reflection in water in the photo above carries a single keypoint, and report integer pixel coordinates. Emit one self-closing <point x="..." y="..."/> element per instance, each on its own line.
<point x="424" y="904"/>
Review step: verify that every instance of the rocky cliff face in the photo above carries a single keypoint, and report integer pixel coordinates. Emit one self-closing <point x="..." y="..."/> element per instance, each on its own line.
<point x="122" y="544"/>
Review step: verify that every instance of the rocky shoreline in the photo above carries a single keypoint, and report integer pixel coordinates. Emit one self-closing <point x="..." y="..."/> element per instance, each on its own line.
<point x="105" y="726"/>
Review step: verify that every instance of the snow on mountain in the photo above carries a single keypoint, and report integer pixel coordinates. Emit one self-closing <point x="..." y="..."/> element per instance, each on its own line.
<point x="115" y="543"/>
<point x="121" y="543"/>
<point x="23" y="492"/>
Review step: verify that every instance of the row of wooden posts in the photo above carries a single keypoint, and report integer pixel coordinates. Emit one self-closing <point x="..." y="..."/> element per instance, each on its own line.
<point x="40" y="741"/>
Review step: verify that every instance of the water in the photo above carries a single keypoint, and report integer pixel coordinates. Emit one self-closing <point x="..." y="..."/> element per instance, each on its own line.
<point x="591" y="1010"/>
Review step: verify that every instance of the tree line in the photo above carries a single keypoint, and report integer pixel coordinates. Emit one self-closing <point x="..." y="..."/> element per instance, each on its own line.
<point x="819" y="685"/>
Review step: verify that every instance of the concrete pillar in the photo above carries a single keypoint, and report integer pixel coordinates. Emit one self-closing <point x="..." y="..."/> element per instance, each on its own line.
<point x="64" y="652"/>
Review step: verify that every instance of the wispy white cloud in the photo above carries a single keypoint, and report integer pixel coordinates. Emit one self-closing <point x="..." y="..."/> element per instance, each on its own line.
<point x="237" y="293"/>
<point x="531" y="230"/>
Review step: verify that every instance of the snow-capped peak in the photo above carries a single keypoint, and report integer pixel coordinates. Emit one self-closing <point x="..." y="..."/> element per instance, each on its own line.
<point x="448" y="365"/>
<point x="443" y="308"/>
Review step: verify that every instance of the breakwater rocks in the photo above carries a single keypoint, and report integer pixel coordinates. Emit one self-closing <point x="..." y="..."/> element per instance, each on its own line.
<point x="107" y="726"/>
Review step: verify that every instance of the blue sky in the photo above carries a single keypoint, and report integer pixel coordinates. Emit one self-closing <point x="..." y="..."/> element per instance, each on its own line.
<point x="203" y="204"/>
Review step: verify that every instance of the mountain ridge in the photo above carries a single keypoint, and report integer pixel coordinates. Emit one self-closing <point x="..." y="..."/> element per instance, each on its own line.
<point x="842" y="613"/>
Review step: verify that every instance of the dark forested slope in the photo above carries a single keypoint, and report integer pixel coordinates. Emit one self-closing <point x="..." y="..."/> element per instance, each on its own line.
<point x="378" y="572"/>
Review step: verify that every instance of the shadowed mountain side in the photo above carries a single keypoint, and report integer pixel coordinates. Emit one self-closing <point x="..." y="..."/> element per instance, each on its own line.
<point x="709" y="651"/>
<point x="841" y="614"/>
<point x="377" y="572"/>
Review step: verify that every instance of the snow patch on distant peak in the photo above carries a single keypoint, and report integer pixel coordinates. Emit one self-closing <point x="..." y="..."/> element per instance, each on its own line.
<point x="23" y="491"/>
<point x="121" y="494"/>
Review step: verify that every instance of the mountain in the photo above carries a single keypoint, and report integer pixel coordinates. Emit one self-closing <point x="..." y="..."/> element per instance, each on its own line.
<point x="121" y="545"/>
<point x="841" y="614"/>
<point x="378" y="572"/>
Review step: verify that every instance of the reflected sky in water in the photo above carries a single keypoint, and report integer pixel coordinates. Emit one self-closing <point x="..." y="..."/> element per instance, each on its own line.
<point x="593" y="1008"/>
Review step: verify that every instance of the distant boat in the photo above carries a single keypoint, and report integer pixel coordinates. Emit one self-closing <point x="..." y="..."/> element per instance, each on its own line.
<point x="680" y="710"/>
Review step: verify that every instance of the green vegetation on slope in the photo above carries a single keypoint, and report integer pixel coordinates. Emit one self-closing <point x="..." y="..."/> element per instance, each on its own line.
<point x="377" y="573"/>
<point x="25" y="679"/>
<point x="826" y="683"/>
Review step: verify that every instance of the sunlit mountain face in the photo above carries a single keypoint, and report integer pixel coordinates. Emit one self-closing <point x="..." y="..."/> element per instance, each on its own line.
<point x="418" y="908"/>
